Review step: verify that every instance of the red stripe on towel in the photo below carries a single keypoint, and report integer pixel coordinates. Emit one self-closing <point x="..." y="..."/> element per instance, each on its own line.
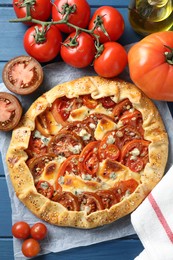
<point x="161" y="217"/>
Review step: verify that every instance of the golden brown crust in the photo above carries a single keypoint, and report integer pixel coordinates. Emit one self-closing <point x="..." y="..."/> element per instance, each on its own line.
<point x="54" y="212"/>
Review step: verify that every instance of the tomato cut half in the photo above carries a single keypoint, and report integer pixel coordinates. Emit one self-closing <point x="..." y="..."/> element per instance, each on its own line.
<point x="90" y="202"/>
<point x="90" y="102"/>
<point x="45" y="188"/>
<point x="81" y="129"/>
<point x="134" y="154"/>
<point x="36" y="147"/>
<point x="11" y="111"/>
<point x="37" y="164"/>
<point x="65" y="144"/>
<point x="62" y="107"/>
<point x="109" y="146"/>
<point x="22" y="75"/>
<point x="108" y="198"/>
<point x="134" y="119"/>
<point x="121" y="107"/>
<point x="125" y="188"/>
<point x="68" y="200"/>
<point x="89" y="160"/>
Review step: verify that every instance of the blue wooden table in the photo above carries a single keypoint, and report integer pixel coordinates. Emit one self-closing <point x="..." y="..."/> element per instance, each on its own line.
<point x="11" y="45"/>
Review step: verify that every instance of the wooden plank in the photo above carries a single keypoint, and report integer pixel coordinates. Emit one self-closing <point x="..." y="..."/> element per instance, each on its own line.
<point x="121" y="249"/>
<point x="5" y="209"/>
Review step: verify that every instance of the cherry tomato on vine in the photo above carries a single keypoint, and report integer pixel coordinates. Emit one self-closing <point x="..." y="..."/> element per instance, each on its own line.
<point x="40" y="9"/>
<point x="38" y="231"/>
<point x="78" y="51"/>
<point x="114" y="58"/>
<point x="42" y="43"/>
<point x="30" y="247"/>
<point x="79" y="13"/>
<point x="21" y="230"/>
<point x="111" y="20"/>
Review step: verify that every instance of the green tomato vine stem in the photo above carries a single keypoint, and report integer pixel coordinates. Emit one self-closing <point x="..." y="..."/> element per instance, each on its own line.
<point x="66" y="11"/>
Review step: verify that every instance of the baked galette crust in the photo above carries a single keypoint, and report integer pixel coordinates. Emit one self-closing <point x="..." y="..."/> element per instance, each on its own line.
<point x="55" y="213"/>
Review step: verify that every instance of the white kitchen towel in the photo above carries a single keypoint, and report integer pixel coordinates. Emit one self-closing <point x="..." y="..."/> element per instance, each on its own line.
<point x="153" y="221"/>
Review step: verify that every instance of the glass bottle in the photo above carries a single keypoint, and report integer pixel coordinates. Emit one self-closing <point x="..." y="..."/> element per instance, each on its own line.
<point x="149" y="16"/>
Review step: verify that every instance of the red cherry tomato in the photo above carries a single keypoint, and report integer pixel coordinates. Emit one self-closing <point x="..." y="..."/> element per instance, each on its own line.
<point x="21" y="230"/>
<point x="30" y="247"/>
<point x="38" y="231"/>
<point x="80" y="13"/>
<point x="42" y="50"/>
<point x="114" y="58"/>
<point x="82" y="53"/>
<point x="112" y="22"/>
<point x="40" y="9"/>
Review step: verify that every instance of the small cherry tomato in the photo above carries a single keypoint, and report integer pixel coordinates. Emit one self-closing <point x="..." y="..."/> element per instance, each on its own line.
<point x="78" y="51"/>
<point x="21" y="230"/>
<point x="42" y="43"/>
<point x="79" y="13"/>
<point x="11" y="111"/>
<point x="111" y="21"/>
<point x="22" y="75"/>
<point x="38" y="231"/>
<point x="30" y="247"/>
<point x="114" y="58"/>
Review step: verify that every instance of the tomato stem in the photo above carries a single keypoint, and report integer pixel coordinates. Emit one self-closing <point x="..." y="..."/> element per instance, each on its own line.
<point x="169" y="55"/>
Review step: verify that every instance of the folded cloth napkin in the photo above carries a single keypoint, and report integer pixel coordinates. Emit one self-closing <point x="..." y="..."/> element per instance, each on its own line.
<point x="153" y="221"/>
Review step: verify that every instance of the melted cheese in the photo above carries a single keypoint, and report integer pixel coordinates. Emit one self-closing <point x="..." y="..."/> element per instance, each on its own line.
<point x="79" y="114"/>
<point x="50" y="171"/>
<point x="104" y="125"/>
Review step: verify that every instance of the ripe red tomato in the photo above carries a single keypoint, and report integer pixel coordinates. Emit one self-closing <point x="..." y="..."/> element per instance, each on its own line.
<point x="112" y="21"/>
<point x="21" y="230"/>
<point x="80" y="15"/>
<point x="82" y="54"/>
<point x="38" y="231"/>
<point x="40" y="10"/>
<point x="46" y="50"/>
<point x="114" y="58"/>
<point x="151" y="67"/>
<point x="30" y="247"/>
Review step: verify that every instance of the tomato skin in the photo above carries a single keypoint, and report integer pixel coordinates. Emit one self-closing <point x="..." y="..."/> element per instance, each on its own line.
<point x="79" y="56"/>
<point x="41" y="10"/>
<point x="114" y="58"/>
<point x="79" y="18"/>
<point x="30" y="247"/>
<point x="148" y="67"/>
<point x="38" y="231"/>
<point x="21" y="230"/>
<point x="46" y="51"/>
<point x="113" y="23"/>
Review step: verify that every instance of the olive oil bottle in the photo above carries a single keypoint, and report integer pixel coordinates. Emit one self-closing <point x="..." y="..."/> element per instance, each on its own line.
<point x="149" y="16"/>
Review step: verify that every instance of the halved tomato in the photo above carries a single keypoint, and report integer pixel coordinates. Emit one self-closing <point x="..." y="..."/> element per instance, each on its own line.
<point x="22" y="75"/>
<point x="89" y="160"/>
<point x="121" y="107"/>
<point x="68" y="200"/>
<point x="134" y="154"/>
<point x="45" y="188"/>
<point x="89" y="101"/>
<point x="37" y="164"/>
<point x="62" y="107"/>
<point x="108" y="198"/>
<point x="124" y="188"/>
<point x="134" y="119"/>
<point x="90" y="202"/>
<point x="65" y="144"/>
<point x="11" y="111"/>
<point x="81" y="129"/>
